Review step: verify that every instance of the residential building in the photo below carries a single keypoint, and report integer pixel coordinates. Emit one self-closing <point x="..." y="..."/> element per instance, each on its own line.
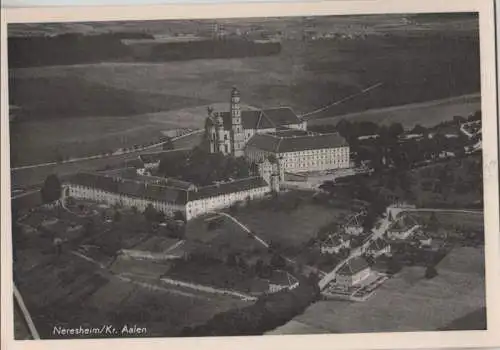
<point x="378" y="247"/>
<point x="402" y="231"/>
<point x="229" y="132"/>
<point x="334" y="244"/>
<point x="281" y="280"/>
<point x="354" y="271"/>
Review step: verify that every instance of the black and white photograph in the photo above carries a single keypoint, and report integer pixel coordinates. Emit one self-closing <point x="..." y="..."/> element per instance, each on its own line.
<point x="253" y="176"/>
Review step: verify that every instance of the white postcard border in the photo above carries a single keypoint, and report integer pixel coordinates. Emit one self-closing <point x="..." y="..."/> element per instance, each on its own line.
<point x="412" y="340"/>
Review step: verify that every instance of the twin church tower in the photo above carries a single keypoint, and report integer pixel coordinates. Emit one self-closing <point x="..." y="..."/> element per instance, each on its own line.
<point x="229" y="132"/>
<point x="226" y="132"/>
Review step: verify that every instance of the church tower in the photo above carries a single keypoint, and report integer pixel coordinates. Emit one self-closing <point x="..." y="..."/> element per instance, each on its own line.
<point x="219" y="127"/>
<point x="238" y="136"/>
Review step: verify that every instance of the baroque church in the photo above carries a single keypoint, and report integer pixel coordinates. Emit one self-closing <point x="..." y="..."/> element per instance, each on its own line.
<point x="229" y="132"/>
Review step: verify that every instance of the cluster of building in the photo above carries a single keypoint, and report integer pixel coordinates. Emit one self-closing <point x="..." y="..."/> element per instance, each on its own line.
<point x="276" y="139"/>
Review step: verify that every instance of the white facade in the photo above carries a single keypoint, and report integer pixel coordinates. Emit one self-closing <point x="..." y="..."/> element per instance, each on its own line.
<point x="202" y="206"/>
<point x="191" y="209"/>
<point x="347" y="281"/>
<point x="306" y="160"/>
<point x="83" y="192"/>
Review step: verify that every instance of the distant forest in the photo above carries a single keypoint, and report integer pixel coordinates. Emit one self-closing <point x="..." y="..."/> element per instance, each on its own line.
<point x="75" y="48"/>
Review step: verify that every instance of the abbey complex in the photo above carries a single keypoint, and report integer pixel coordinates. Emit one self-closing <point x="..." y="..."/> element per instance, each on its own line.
<point x="275" y="139"/>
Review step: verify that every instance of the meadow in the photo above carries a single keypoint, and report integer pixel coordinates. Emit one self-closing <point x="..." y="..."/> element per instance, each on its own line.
<point x="457" y="291"/>
<point x="85" y="108"/>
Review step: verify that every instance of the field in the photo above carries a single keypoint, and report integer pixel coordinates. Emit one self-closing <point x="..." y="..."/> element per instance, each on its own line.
<point x="35" y="176"/>
<point x="77" y="291"/>
<point x="105" y="105"/>
<point x="289" y="228"/>
<point x="409" y="302"/>
<point x="426" y="114"/>
<point x="446" y="220"/>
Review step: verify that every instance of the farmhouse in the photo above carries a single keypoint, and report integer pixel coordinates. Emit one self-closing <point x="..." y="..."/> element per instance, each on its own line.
<point x="281" y="280"/>
<point x="151" y="161"/>
<point x="334" y="244"/>
<point x="378" y="247"/>
<point x="191" y="202"/>
<point x="229" y="132"/>
<point x="353" y="272"/>
<point x="402" y="229"/>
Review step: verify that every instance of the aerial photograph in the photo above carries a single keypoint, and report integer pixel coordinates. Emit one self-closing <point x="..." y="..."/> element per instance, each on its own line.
<point x="247" y="176"/>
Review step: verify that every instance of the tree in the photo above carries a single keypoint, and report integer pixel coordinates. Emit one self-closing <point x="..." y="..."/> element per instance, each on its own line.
<point x="396" y="129"/>
<point x="278" y="262"/>
<point x="430" y="272"/>
<point x="150" y="213"/>
<point x="178" y="215"/>
<point x="117" y="216"/>
<point x="394" y="266"/>
<point x="168" y="144"/>
<point x="419" y="129"/>
<point x="51" y="190"/>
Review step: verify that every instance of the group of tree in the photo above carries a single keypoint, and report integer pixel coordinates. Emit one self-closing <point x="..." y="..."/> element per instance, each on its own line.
<point x="203" y="168"/>
<point x="51" y="190"/>
<point x="269" y="312"/>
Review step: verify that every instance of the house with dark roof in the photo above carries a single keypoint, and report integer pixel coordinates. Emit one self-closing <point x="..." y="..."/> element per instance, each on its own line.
<point x="354" y="271"/>
<point x="168" y="196"/>
<point x="229" y="131"/>
<point x="152" y="160"/>
<point x="280" y="280"/>
<point x="378" y="247"/>
<point x="301" y="153"/>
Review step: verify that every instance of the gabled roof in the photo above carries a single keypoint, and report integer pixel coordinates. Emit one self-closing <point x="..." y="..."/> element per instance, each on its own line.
<point x="262" y="119"/>
<point x="163" y="193"/>
<point x="228" y="187"/>
<point x="155" y="157"/>
<point x="378" y="244"/>
<point x="353" y="266"/>
<point x="282" y="278"/>
<point x="277" y="144"/>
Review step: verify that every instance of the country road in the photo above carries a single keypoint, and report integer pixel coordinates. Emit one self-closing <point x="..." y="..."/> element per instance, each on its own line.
<point x="116" y="153"/>
<point x="34" y="176"/>
<point x="379" y="231"/>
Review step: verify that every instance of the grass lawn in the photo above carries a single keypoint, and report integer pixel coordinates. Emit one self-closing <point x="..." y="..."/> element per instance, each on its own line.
<point x="464" y="221"/>
<point x="409" y="302"/>
<point x="288" y="228"/>
<point x="129" y="102"/>
<point x="217" y="275"/>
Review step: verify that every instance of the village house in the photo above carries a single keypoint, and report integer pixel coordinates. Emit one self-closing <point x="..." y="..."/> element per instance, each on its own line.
<point x="354" y="271"/>
<point x="281" y="280"/>
<point x="378" y="247"/>
<point x="334" y="244"/>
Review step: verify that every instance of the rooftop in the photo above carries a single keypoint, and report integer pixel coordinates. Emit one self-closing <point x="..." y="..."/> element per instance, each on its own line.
<point x="139" y="188"/>
<point x="353" y="266"/>
<point x="280" y="144"/>
<point x="155" y="157"/>
<point x="263" y="119"/>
